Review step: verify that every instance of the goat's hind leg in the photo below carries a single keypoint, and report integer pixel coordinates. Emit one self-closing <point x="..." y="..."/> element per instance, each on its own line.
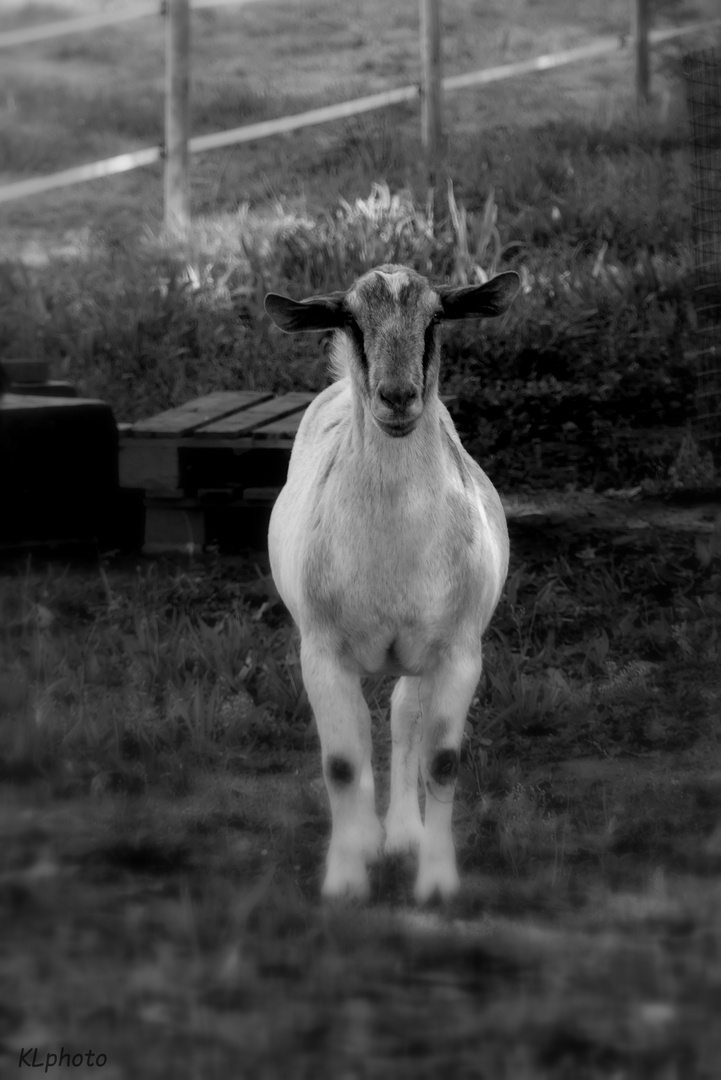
<point x="344" y="728"/>
<point x="446" y="695"/>
<point x="404" y="827"/>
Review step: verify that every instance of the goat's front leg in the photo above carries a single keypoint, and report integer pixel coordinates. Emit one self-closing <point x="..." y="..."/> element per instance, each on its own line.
<point x="404" y="827"/>
<point x="344" y="728"/>
<point x="446" y="695"/>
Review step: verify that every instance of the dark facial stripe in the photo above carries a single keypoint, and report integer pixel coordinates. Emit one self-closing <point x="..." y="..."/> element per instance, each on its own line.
<point x="429" y="342"/>
<point x="356" y="336"/>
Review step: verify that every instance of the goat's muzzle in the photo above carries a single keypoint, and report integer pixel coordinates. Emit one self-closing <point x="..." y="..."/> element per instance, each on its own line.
<point x="396" y="409"/>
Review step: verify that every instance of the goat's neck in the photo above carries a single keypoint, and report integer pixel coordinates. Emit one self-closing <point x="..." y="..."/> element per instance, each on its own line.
<point x="414" y="461"/>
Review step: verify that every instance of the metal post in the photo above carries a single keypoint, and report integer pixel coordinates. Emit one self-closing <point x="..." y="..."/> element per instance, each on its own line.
<point x="177" y="116"/>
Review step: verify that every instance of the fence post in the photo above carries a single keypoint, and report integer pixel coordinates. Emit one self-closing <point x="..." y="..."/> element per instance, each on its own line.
<point x="177" y="115"/>
<point x="431" y="127"/>
<point x="640" y="25"/>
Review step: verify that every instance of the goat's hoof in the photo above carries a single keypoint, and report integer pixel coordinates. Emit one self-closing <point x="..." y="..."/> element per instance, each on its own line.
<point x="436" y="878"/>
<point x="346" y="878"/>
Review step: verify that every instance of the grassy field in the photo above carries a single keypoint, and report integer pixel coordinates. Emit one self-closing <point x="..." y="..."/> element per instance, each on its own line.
<point x="164" y="820"/>
<point x="162" y="815"/>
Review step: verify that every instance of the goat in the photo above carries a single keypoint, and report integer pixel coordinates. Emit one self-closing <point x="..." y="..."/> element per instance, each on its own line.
<point x="388" y="545"/>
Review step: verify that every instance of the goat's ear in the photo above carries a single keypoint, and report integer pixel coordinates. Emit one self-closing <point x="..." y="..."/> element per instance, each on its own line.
<point x="479" y="301"/>
<point x="298" y="316"/>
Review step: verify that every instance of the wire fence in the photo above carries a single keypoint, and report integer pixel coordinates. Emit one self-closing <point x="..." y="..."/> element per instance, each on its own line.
<point x="30" y="35"/>
<point x="282" y="125"/>
<point x="703" y="89"/>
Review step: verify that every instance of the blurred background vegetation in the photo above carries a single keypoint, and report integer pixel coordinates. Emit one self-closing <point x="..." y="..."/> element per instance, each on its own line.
<point x="561" y="175"/>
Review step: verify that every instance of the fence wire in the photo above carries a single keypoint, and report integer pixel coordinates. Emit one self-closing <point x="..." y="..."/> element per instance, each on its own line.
<point x="703" y="92"/>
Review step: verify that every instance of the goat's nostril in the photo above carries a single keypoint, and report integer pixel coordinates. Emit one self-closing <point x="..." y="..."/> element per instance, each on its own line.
<point x="397" y="398"/>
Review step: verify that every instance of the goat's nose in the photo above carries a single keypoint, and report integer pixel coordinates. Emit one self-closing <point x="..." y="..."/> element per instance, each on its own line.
<point x="397" y="398"/>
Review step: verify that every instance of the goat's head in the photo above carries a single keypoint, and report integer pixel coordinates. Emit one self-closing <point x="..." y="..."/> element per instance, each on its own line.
<point x="390" y="317"/>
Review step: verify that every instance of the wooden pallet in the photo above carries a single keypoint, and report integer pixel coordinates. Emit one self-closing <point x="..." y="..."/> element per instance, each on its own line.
<point x="228" y="450"/>
<point x="224" y="453"/>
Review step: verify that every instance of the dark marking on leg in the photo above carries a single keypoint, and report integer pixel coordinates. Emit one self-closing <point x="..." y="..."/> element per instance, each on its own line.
<point x="339" y="770"/>
<point x="444" y="767"/>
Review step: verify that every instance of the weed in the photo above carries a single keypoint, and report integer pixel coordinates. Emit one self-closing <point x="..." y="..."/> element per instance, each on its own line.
<point x="523" y="827"/>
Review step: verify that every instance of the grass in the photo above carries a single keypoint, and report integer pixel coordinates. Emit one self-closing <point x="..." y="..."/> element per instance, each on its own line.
<point x="164" y="820"/>
<point x="170" y="658"/>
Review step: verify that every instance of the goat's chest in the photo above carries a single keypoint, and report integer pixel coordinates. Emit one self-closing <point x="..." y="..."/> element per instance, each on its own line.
<point x="389" y="587"/>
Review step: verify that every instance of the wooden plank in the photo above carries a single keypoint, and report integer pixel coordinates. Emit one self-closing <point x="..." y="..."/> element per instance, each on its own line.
<point x="228" y="500"/>
<point x="262" y="496"/>
<point x="151" y="464"/>
<point x="260" y="415"/>
<point x="187" y="418"/>
<point x="52" y="388"/>
<point x="285" y="428"/>
<point x="11" y="401"/>
<point x="283" y="441"/>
